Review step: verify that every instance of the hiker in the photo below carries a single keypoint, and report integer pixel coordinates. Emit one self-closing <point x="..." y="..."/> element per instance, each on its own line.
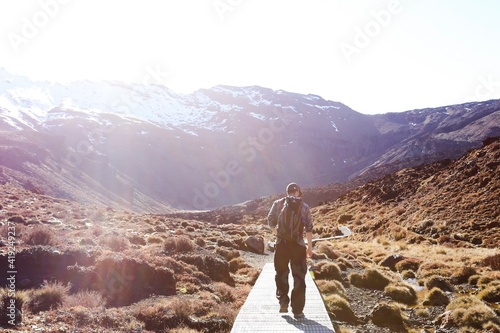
<point x="290" y="216"/>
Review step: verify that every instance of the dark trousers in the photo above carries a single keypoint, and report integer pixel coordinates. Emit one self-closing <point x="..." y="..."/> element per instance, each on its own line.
<point x="295" y="255"/>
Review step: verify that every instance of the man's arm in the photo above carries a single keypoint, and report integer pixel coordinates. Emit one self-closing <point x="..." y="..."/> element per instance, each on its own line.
<point x="309" y="251"/>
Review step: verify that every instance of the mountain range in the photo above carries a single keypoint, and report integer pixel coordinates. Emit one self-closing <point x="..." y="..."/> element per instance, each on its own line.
<point x="146" y="148"/>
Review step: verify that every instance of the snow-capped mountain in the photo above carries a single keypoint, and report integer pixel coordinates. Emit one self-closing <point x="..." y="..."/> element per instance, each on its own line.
<point x="145" y="147"/>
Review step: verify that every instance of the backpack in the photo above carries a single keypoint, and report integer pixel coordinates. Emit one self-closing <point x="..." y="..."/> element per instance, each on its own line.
<point x="290" y="226"/>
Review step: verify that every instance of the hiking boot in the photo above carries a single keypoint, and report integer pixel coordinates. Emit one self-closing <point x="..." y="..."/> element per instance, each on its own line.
<point x="298" y="315"/>
<point x="283" y="308"/>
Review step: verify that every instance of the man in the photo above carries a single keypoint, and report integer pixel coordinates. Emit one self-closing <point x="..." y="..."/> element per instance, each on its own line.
<point x="291" y="216"/>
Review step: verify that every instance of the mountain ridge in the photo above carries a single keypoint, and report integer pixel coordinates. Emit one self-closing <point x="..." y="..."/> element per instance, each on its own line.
<point x="148" y="149"/>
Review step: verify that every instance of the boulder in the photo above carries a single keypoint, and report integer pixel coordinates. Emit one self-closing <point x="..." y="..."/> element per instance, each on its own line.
<point x="255" y="244"/>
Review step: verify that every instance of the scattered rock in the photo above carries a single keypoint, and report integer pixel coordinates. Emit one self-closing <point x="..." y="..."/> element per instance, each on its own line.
<point x="255" y="244"/>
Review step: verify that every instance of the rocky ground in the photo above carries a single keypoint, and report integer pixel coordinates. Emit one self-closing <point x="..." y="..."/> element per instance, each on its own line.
<point x="423" y="257"/>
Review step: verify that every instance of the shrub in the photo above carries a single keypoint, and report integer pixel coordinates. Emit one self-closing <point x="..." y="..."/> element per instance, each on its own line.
<point x="327" y="271"/>
<point x="491" y="294"/>
<point x="438" y="282"/>
<point x="486" y="279"/>
<point x="328" y="249"/>
<point x="339" y="308"/>
<point x="224" y="292"/>
<point x="40" y="235"/>
<point x="475" y="315"/>
<point x="402" y="293"/>
<point x="154" y="239"/>
<point x="86" y="299"/>
<point x="200" y="241"/>
<point x="237" y="263"/>
<point x="371" y="279"/>
<point x="408" y="264"/>
<point x="387" y="315"/>
<point x="50" y="296"/>
<point x="115" y="242"/>
<point x="462" y="275"/>
<point x="227" y="254"/>
<point x="184" y="244"/>
<point x="492" y="261"/>
<point x="408" y="274"/>
<point x="433" y="268"/>
<point x="436" y="297"/>
<point x="331" y="287"/>
<point x="178" y="244"/>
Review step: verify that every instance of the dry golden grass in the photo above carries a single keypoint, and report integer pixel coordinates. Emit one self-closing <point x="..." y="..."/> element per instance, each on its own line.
<point x="402" y="293"/>
<point x="40" y="235"/>
<point x="372" y="278"/>
<point x="339" y="308"/>
<point x="326" y="270"/>
<point x="471" y="312"/>
<point x="327" y="287"/>
<point x="49" y="296"/>
<point x="85" y="299"/>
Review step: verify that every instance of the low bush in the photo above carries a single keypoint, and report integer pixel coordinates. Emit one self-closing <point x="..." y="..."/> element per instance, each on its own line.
<point x="328" y="249"/>
<point x="490" y="294"/>
<point x="330" y="287"/>
<point x="115" y="242"/>
<point x="86" y="299"/>
<point x="339" y="308"/>
<point x="326" y="270"/>
<point x="371" y="279"/>
<point x="436" y="297"/>
<point x="492" y="261"/>
<point x="471" y="312"/>
<point x="401" y="293"/>
<point x="408" y="264"/>
<point x="181" y="244"/>
<point x="40" y="235"/>
<point x="440" y="282"/>
<point x="50" y="295"/>
<point x="462" y="274"/>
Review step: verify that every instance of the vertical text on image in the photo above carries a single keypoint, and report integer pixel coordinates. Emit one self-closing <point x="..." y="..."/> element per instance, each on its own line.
<point x="11" y="272"/>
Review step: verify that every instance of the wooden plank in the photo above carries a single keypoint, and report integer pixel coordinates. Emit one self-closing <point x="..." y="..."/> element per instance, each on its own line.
<point x="260" y="312"/>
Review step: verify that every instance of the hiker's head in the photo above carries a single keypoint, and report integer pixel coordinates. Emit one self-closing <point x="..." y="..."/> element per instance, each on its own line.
<point x="293" y="189"/>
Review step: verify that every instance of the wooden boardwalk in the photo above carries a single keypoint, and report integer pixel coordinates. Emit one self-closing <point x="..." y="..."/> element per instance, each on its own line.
<point x="260" y="313"/>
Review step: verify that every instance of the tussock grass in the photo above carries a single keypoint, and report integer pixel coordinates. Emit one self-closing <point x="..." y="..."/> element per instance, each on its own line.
<point x="328" y="249"/>
<point x="471" y="312"/>
<point x="372" y="278"/>
<point x="436" y="297"/>
<point x="339" y="308"/>
<point x="50" y="295"/>
<point x="402" y="293"/>
<point x="40" y="235"/>
<point x="180" y="244"/>
<point x="115" y="242"/>
<point x="328" y="287"/>
<point x="490" y="294"/>
<point x="86" y="299"/>
<point x="326" y="270"/>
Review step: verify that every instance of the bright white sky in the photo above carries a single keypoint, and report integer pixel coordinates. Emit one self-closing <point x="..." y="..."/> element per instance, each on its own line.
<point x="374" y="56"/>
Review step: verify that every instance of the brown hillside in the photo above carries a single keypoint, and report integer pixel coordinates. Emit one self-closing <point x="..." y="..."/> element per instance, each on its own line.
<point x="454" y="202"/>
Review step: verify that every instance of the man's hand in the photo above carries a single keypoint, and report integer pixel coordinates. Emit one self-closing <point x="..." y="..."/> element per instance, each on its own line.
<point x="309" y="251"/>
